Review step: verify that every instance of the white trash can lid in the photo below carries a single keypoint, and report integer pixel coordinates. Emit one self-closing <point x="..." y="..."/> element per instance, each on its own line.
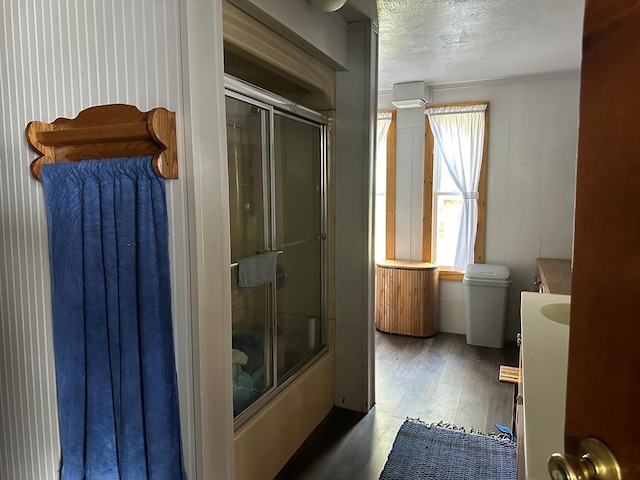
<point x="483" y="271"/>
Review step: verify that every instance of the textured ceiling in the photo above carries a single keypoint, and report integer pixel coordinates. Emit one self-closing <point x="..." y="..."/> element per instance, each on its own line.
<point x="451" y="41"/>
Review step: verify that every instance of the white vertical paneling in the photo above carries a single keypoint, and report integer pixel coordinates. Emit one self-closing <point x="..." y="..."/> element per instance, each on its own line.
<point x="404" y="156"/>
<point x="206" y="165"/>
<point x="533" y="124"/>
<point x="355" y="118"/>
<point x="532" y="152"/>
<point x="58" y="57"/>
<point x="409" y="176"/>
<point x="557" y="189"/>
<point x="417" y="188"/>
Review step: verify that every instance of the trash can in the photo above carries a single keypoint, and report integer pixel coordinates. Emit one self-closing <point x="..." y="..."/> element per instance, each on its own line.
<point x="486" y="290"/>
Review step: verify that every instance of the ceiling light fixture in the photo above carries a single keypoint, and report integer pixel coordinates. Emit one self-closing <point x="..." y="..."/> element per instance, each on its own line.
<point x="328" y="5"/>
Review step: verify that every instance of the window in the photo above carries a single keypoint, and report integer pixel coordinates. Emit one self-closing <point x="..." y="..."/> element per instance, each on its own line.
<point x="384" y="185"/>
<point x="446" y="211"/>
<point x="443" y="194"/>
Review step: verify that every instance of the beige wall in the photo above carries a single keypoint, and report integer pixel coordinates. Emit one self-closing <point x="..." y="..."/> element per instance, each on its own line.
<point x="265" y="444"/>
<point x="322" y="35"/>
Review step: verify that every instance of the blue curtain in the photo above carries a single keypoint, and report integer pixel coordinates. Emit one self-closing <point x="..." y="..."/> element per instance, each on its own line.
<point x="113" y="338"/>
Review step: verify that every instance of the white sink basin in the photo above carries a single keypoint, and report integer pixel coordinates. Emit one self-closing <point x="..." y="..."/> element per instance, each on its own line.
<point x="545" y="345"/>
<point x="557" y="312"/>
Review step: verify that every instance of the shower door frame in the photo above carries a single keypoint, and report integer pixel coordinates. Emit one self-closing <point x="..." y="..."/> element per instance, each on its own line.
<point x="276" y="105"/>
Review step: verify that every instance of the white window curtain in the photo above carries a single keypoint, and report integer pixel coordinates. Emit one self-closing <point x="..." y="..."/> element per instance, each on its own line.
<point x="459" y="138"/>
<point x="384" y="121"/>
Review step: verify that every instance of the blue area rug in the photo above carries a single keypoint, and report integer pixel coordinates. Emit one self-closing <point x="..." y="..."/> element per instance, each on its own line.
<point x="442" y="452"/>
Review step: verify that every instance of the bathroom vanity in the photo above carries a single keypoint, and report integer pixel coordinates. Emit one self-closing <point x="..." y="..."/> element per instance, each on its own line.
<point x="553" y="275"/>
<point x="540" y="404"/>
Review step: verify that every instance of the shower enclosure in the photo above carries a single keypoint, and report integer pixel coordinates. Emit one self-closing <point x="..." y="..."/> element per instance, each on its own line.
<point x="277" y="157"/>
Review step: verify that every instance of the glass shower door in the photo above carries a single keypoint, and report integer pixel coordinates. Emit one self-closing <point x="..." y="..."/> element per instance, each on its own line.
<point x="298" y="146"/>
<point x="276" y="159"/>
<point x="250" y="210"/>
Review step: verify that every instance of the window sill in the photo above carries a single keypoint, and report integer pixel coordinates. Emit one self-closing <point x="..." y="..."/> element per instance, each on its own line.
<point x="446" y="274"/>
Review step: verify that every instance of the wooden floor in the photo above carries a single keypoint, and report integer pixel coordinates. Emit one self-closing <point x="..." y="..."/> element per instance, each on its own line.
<point x="436" y="379"/>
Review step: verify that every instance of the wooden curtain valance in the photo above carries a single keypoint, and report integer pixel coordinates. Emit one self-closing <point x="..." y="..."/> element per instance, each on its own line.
<point x="108" y="131"/>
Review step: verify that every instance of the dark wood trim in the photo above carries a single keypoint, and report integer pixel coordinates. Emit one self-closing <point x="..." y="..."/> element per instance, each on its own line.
<point x="604" y="354"/>
<point x="427" y="193"/>
<point x="461" y="104"/>
<point x="108" y="131"/>
<point x="481" y="232"/>
<point x="390" y="247"/>
<point x="445" y="274"/>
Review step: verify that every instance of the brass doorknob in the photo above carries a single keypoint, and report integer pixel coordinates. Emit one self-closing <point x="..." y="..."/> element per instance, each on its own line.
<point x="596" y="462"/>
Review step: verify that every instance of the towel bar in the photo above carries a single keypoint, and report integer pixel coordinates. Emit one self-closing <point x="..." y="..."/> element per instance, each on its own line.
<point x="235" y="264"/>
<point x="108" y="131"/>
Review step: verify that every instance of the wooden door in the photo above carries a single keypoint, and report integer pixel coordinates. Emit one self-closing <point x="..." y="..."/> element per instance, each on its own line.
<point x="604" y="348"/>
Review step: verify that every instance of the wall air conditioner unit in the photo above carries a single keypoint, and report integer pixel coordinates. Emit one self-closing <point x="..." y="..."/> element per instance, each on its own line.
<point x="411" y="95"/>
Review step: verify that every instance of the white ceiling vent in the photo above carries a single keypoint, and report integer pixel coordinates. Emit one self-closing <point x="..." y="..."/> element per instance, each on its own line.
<point x="411" y="95"/>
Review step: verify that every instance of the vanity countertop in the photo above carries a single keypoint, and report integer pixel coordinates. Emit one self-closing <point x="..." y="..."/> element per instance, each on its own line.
<point x="555" y="274"/>
<point x="545" y="346"/>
